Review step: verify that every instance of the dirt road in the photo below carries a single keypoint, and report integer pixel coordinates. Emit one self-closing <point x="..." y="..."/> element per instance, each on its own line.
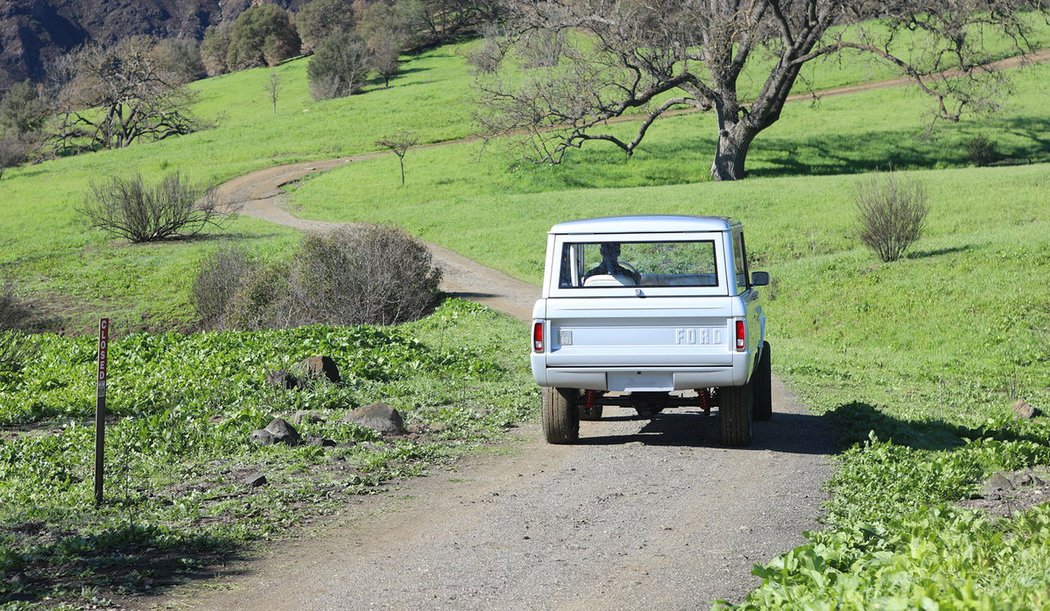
<point x="642" y="513"/>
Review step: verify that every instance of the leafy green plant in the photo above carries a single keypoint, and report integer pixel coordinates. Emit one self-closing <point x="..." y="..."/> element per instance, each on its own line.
<point x="184" y="406"/>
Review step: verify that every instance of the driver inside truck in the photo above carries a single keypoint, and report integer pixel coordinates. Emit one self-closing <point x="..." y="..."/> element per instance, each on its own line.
<point x="610" y="263"/>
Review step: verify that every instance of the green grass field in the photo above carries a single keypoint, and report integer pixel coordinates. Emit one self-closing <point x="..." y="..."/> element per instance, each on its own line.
<point x="917" y="361"/>
<point x="78" y="274"/>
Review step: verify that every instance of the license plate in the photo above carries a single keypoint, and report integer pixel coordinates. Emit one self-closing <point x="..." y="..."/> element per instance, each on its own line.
<point x="639" y="382"/>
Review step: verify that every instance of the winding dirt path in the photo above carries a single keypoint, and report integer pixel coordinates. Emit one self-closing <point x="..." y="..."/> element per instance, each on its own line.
<point x="259" y="195"/>
<point x="651" y="514"/>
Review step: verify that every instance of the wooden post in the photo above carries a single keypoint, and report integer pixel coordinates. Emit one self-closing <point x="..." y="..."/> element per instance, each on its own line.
<point x="100" y="407"/>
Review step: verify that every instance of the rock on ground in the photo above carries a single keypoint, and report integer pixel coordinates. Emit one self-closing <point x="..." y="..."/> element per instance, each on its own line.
<point x="321" y="368"/>
<point x="378" y="417"/>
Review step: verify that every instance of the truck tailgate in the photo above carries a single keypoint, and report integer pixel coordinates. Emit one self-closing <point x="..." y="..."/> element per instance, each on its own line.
<point x="641" y="333"/>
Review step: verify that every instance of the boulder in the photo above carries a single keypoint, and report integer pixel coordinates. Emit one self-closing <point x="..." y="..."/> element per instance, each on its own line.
<point x="282" y="432"/>
<point x="1023" y="410"/>
<point x="262" y="437"/>
<point x="306" y="417"/>
<point x="321" y="442"/>
<point x="998" y="483"/>
<point x="283" y="379"/>
<point x="378" y="417"/>
<point x="321" y="368"/>
<point x="254" y="480"/>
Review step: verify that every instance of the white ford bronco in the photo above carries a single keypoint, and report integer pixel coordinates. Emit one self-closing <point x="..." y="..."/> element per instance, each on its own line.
<point x="650" y="312"/>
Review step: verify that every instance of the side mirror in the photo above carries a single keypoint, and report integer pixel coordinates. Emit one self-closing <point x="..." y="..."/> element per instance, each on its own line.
<point x="759" y="278"/>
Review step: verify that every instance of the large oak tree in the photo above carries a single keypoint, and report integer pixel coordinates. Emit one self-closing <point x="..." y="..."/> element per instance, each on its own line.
<point x="621" y="57"/>
<point x="113" y="96"/>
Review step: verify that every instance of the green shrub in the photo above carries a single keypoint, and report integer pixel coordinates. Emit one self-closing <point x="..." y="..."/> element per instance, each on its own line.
<point x="319" y="19"/>
<point x="12" y="153"/>
<point x="183" y="57"/>
<point x="338" y="67"/>
<point x="22" y="110"/>
<point x="262" y="35"/>
<point x="215" y="47"/>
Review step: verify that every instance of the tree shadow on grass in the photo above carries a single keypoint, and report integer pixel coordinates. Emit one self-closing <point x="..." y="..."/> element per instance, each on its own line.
<point x="40" y="564"/>
<point x="857" y="419"/>
<point x="873" y="151"/>
<point x="1018" y="140"/>
<point x="219" y="236"/>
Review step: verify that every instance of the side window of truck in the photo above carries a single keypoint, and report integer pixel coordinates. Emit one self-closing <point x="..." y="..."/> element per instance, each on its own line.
<point x="740" y="261"/>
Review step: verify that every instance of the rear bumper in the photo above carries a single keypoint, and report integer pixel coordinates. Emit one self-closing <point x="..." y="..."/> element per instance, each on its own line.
<point x="649" y="379"/>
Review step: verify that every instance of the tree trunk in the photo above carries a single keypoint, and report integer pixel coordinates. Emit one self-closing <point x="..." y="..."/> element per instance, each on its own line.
<point x="734" y="140"/>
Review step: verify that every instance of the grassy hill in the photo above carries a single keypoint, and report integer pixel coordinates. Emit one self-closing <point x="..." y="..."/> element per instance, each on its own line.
<point x="77" y="274"/>
<point x="918" y="360"/>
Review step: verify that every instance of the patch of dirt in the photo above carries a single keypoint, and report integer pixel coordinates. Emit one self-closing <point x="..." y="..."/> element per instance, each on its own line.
<point x="1010" y="492"/>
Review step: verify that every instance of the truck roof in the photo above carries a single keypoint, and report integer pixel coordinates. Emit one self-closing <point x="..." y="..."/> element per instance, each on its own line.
<point x="657" y="223"/>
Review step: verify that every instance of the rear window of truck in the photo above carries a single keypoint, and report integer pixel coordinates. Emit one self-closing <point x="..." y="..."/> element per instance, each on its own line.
<point x="659" y="263"/>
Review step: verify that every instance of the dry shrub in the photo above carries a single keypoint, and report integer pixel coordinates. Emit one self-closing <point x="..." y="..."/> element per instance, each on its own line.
<point x="981" y="150"/>
<point x="892" y="214"/>
<point x="12" y="153"/>
<point x="128" y="208"/>
<point x="370" y="275"/>
<point x="264" y="302"/>
<point x="16" y="347"/>
<point x="221" y="276"/>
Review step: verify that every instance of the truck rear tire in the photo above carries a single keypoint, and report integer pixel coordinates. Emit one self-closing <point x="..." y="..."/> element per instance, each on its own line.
<point x="734" y="410"/>
<point x="762" y="389"/>
<point x="561" y="415"/>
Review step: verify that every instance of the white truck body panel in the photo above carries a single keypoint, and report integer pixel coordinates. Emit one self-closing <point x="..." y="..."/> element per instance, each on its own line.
<point x="652" y="330"/>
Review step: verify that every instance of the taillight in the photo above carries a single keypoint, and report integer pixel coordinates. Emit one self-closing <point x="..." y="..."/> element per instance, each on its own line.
<point x="741" y="336"/>
<point x="537" y="337"/>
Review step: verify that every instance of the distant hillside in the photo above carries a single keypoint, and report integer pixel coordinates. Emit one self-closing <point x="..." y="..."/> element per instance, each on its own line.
<point x="35" y="31"/>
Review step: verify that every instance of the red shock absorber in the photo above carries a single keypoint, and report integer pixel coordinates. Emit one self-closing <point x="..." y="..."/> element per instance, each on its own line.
<point x="590" y="397"/>
<point x="703" y="399"/>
